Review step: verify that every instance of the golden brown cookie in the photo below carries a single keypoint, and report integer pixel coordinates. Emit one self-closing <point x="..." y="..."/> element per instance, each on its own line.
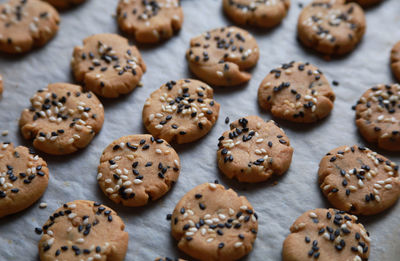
<point x="326" y="235"/>
<point x="395" y="60"/>
<point x="367" y="3"/>
<point x="62" y="118"/>
<point x="181" y="111"/>
<point x="150" y="21"/>
<point x="222" y="56"/>
<point x="261" y="13"/>
<point x="378" y="116"/>
<point x="26" y="24"/>
<point x="211" y="223"/>
<point x="296" y="92"/>
<point x="331" y="29"/>
<point x="83" y="230"/>
<point x="254" y="150"/>
<point x="137" y="168"/>
<point x="107" y="65"/>
<point x="64" y="4"/>
<point x="23" y="178"/>
<point x="358" y="180"/>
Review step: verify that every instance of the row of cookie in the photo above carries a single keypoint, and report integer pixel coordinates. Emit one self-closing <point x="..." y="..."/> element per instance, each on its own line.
<point x="209" y="223"/>
<point x="32" y="23"/>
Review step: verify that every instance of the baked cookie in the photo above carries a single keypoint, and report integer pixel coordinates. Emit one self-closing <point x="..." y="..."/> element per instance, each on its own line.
<point x="64" y="4"/>
<point x="83" y="230"/>
<point x="264" y="13"/>
<point x="254" y="150"/>
<point x="212" y="223"/>
<point x="23" y="178"/>
<point x="378" y="116"/>
<point x="358" y="180"/>
<point x="137" y="168"/>
<point x="296" y="92"/>
<point x="150" y="21"/>
<point x="326" y="235"/>
<point x="62" y="118"/>
<point x="367" y="3"/>
<point x="26" y="24"/>
<point x="331" y="29"/>
<point x="395" y="60"/>
<point x="182" y="111"/>
<point x="107" y="65"/>
<point x="221" y="56"/>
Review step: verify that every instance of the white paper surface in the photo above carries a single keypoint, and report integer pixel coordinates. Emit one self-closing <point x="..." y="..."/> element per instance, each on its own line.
<point x="74" y="176"/>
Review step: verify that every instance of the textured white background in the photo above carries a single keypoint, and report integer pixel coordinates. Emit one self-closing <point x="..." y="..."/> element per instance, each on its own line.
<point x="74" y="177"/>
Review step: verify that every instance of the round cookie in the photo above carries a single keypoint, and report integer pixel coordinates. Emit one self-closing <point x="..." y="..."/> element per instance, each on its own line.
<point x="137" y="168"/>
<point x="150" y="21"/>
<point x="254" y="150"/>
<point x="358" y="180"/>
<point x="326" y="235"/>
<point x="23" y="178"/>
<point x="221" y="56"/>
<point x="367" y="3"/>
<point x="107" y="65"/>
<point x="62" y="118"/>
<point x="297" y="92"/>
<point x="26" y="24"/>
<point x="64" y="4"/>
<point x="266" y="13"/>
<point x="378" y="116"/>
<point x="83" y="230"/>
<point x="331" y="29"/>
<point x="212" y="223"/>
<point x="182" y="111"/>
<point x="395" y="60"/>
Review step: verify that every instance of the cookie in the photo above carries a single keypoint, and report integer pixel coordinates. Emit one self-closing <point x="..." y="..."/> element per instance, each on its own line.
<point x="83" y="230"/>
<point x="331" y="29"/>
<point x="253" y="150"/>
<point x="358" y="180"/>
<point x="64" y="4"/>
<point x="23" y="178"/>
<point x="180" y="111"/>
<point x="107" y="65"/>
<point x="266" y="13"/>
<point x="395" y="60"/>
<point x="26" y="24"/>
<point x="297" y="92"/>
<point x="326" y="235"/>
<point x="221" y="56"/>
<point x="378" y="116"/>
<point x="137" y="168"/>
<point x="62" y="118"/>
<point x="367" y="3"/>
<point x="150" y="21"/>
<point x="211" y="223"/>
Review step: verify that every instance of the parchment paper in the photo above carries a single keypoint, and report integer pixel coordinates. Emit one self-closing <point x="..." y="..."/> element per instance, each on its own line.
<point x="74" y="177"/>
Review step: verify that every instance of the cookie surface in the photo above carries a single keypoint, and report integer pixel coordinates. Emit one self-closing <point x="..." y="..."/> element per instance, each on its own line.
<point x="181" y="111"/>
<point x="212" y="223"/>
<point x="326" y="235"/>
<point x="331" y="29"/>
<point x="23" y="178"/>
<point x="137" y="168"/>
<point x="64" y="4"/>
<point x="254" y="150"/>
<point x="395" y="60"/>
<point x="150" y="21"/>
<point x="83" y="230"/>
<point x="221" y="56"/>
<point x="107" y="65"/>
<point x="26" y="24"/>
<point x="358" y="180"/>
<point x="296" y="92"/>
<point x="267" y="13"/>
<point x="378" y="116"/>
<point x="62" y="118"/>
<point x="367" y="3"/>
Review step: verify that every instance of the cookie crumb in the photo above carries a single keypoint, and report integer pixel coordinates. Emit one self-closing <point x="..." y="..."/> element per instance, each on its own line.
<point x="4" y="133"/>
<point x="226" y="120"/>
<point x="43" y="205"/>
<point x="335" y="83"/>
